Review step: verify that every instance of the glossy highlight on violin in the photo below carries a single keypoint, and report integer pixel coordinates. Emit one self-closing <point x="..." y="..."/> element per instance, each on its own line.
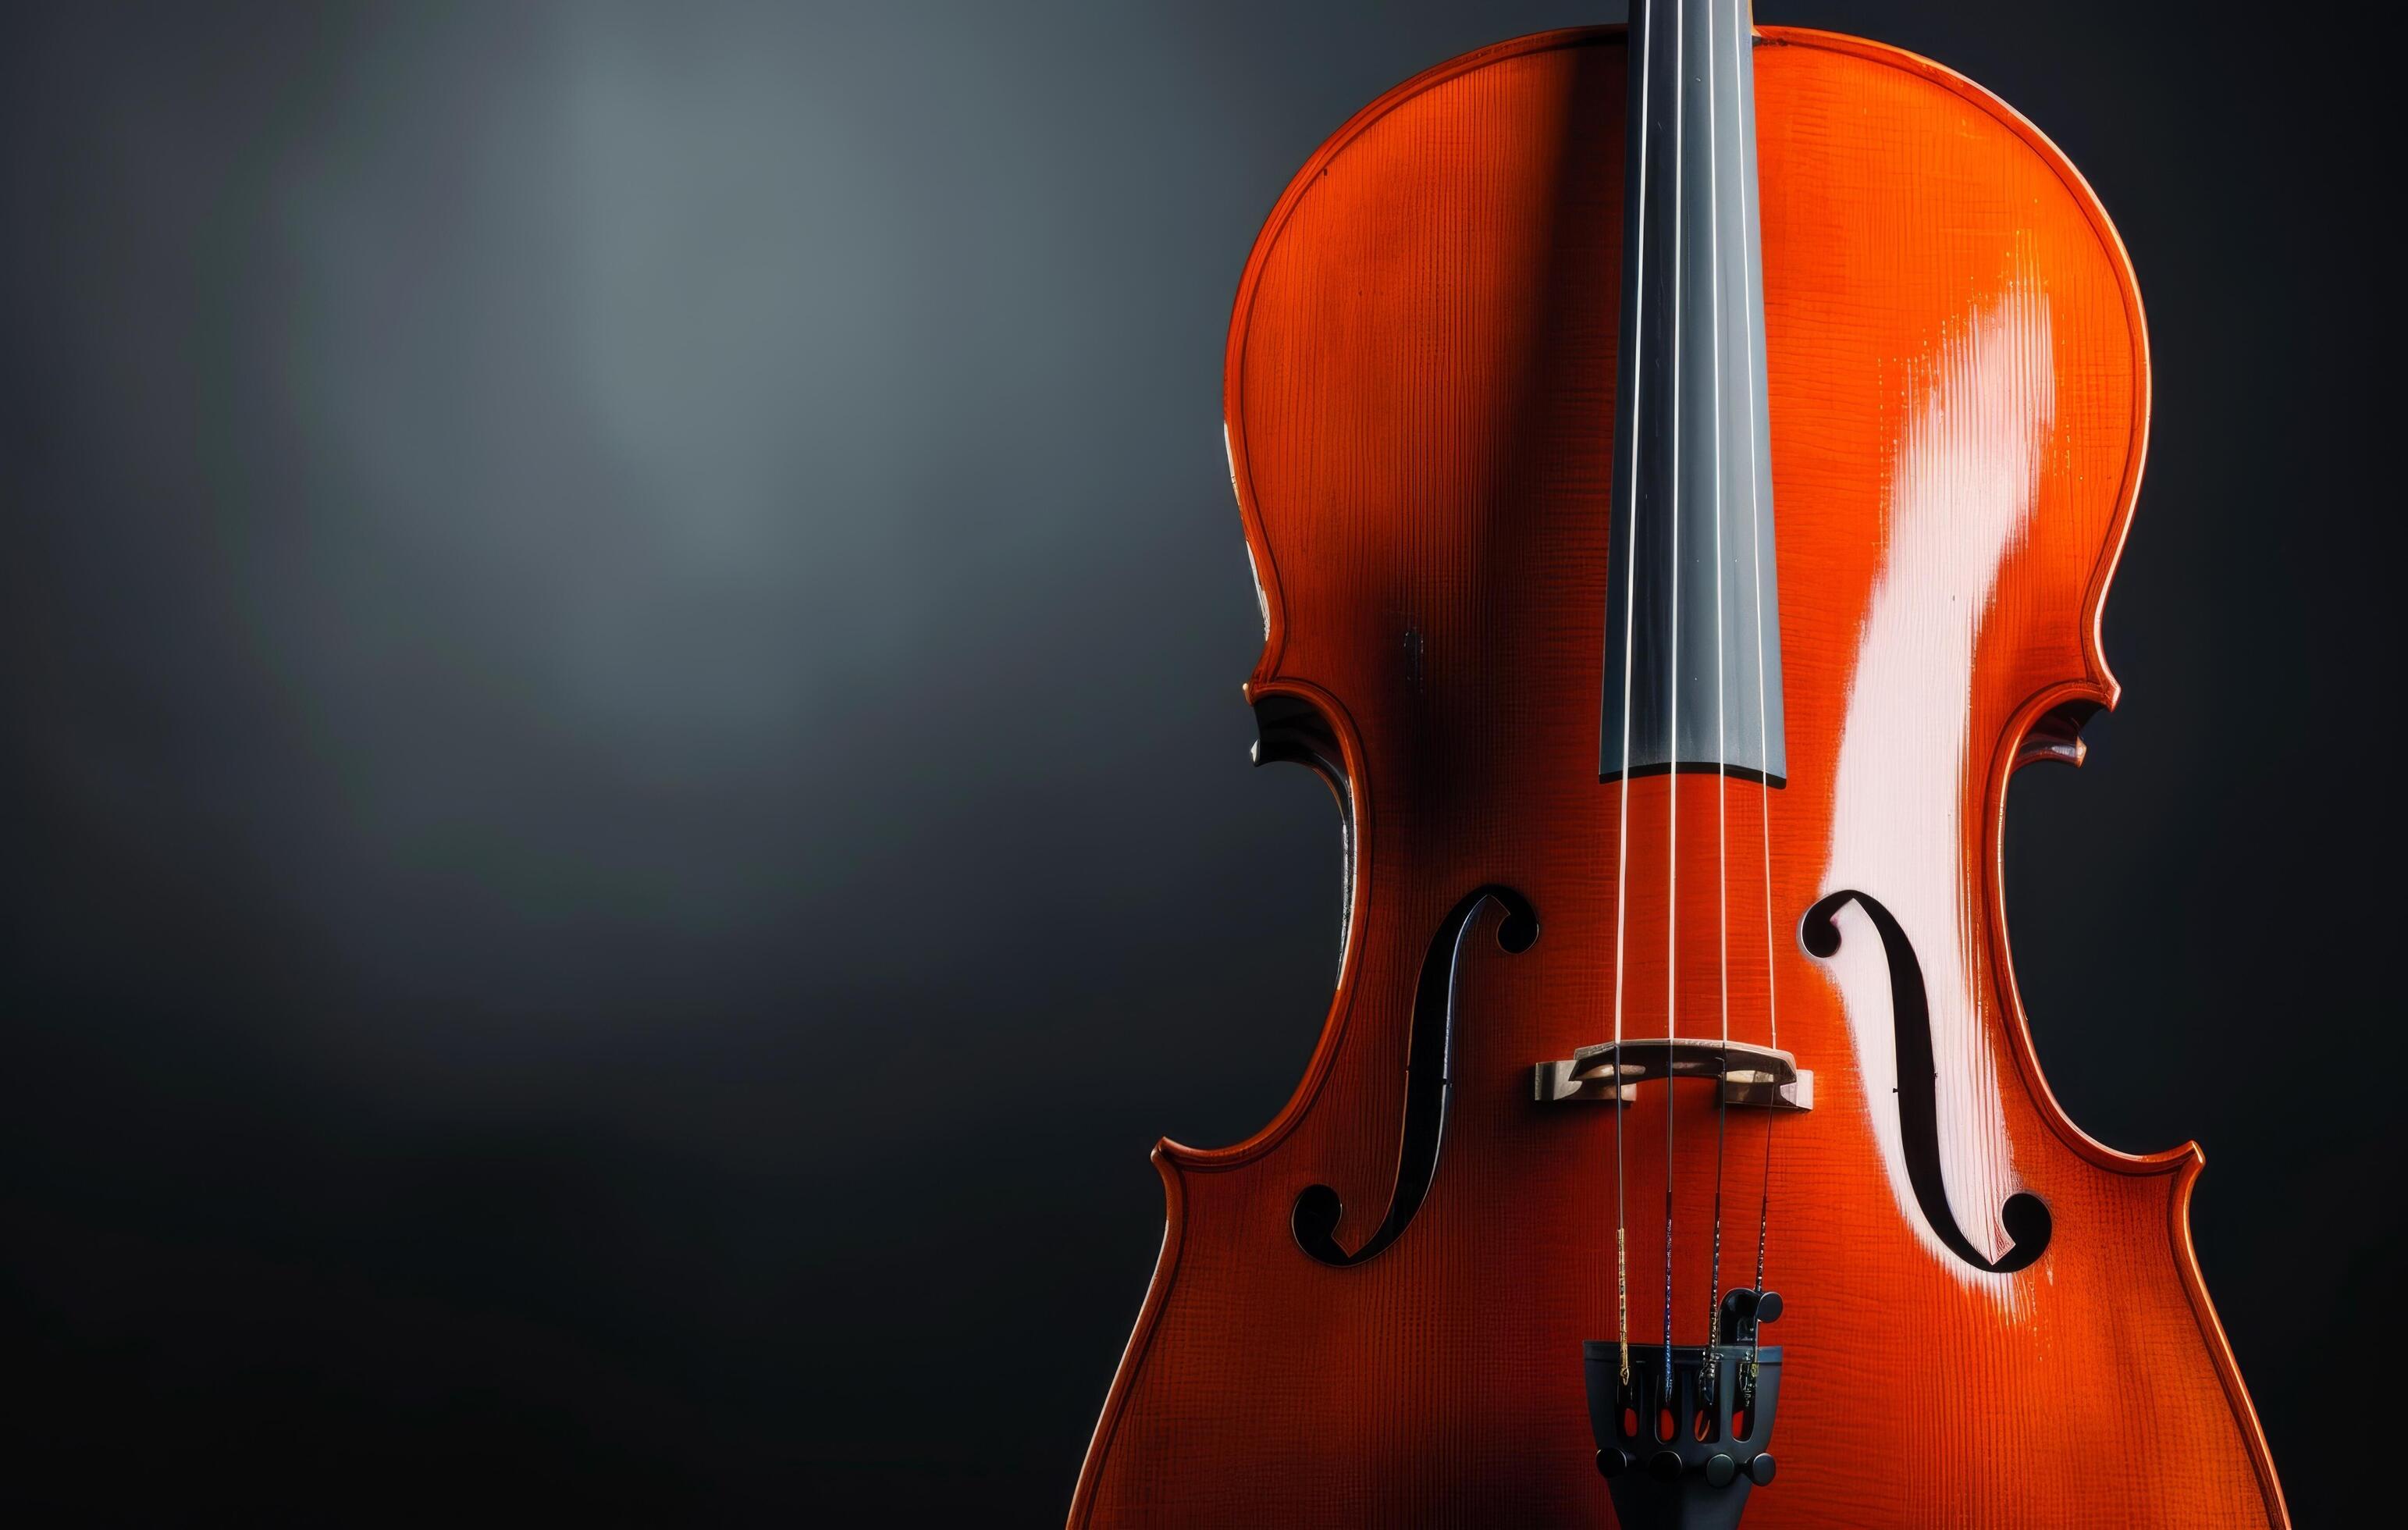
<point x="1682" y="469"/>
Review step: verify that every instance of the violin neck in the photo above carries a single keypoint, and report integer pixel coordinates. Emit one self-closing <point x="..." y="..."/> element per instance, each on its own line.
<point x="1693" y="644"/>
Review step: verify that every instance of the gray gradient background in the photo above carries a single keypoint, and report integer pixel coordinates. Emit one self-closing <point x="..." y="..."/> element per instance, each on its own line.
<point x="624" y="810"/>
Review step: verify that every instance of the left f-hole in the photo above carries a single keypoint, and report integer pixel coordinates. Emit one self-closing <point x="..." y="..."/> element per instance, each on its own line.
<point x="1429" y="1085"/>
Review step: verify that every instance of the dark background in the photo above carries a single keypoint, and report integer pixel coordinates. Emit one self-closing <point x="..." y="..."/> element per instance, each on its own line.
<point x="624" y="806"/>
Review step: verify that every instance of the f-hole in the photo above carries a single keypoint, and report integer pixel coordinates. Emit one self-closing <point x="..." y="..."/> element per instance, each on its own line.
<point x="1429" y="1085"/>
<point x="2024" y="1216"/>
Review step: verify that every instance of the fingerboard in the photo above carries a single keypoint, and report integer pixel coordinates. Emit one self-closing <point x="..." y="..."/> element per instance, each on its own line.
<point x="1693" y="633"/>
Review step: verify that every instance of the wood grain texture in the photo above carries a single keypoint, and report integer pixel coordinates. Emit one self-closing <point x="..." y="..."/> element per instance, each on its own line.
<point x="1420" y="396"/>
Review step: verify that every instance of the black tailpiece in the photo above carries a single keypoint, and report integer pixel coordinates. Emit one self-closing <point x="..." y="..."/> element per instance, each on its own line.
<point x="1686" y="1459"/>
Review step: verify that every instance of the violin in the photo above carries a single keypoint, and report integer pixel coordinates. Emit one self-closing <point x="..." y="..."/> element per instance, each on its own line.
<point x="1683" y="468"/>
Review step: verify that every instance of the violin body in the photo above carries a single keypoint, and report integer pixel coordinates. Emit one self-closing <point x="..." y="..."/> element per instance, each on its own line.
<point x="1424" y="347"/>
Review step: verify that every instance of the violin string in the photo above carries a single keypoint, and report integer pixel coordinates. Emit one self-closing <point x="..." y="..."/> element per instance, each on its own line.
<point x="1740" y="58"/>
<point x="1721" y="741"/>
<point x="1672" y="684"/>
<point x="1630" y="647"/>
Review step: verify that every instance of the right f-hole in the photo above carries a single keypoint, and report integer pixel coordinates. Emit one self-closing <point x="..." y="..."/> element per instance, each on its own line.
<point x="2024" y="1216"/>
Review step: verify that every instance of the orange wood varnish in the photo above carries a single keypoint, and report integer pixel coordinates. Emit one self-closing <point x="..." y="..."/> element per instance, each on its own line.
<point x="1420" y="402"/>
